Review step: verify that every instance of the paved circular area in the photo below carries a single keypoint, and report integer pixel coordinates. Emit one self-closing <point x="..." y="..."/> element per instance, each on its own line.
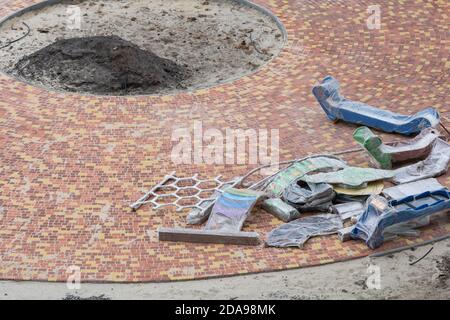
<point x="71" y="164"/>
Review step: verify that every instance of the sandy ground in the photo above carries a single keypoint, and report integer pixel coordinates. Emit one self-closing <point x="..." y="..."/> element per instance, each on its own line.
<point x="356" y="279"/>
<point x="218" y="40"/>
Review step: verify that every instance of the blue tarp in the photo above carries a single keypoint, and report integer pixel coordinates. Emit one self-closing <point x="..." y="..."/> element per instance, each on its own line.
<point x="381" y="213"/>
<point x="338" y="108"/>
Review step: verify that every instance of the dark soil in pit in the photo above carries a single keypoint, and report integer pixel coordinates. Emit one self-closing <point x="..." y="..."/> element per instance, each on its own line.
<point x="212" y="42"/>
<point x="100" y="65"/>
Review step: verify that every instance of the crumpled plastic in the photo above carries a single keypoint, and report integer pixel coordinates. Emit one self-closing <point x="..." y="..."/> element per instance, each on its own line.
<point x="280" y="209"/>
<point x="298" y="232"/>
<point x="348" y="210"/>
<point x="436" y="164"/>
<point x="197" y="215"/>
<point x="305" y="196"/>
<point x="337" y="107"/>
<point x="374" y="187"/>
<point x="352" y="177"/>
<point x="380" y="214"/>
<point x="407" y="229"/>
<point x="384" y="156"/>
<point x="231" y="209"/>
<point x="300" y="168"/>
<point x="403" y="190"/>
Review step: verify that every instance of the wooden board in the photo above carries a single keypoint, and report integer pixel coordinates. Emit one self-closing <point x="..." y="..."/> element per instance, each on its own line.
<point x="208" y="236"/>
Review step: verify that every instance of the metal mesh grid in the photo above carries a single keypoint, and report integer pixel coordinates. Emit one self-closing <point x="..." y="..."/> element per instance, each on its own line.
<point x="184" y="193"/>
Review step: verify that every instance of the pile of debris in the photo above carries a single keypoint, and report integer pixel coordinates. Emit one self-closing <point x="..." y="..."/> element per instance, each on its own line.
<point x="349" y="201"/>
<point x="100" y="65"/>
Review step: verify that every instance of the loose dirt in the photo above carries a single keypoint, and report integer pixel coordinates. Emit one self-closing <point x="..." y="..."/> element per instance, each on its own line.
<point x="100" y="65"/>
<point x="428" y="279"/>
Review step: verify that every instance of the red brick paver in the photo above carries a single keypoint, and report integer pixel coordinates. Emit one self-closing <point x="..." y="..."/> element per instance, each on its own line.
<point x="71" y="164"/>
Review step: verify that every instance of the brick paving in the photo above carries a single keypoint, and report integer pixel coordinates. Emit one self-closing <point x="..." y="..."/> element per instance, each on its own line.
<point x="71" y="164"/>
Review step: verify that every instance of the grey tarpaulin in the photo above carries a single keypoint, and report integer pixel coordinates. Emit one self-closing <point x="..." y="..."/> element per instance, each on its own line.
<point x="435" y="165"/>
<point x="403" y="190"/>
<point x="305" y="196"/>
<point x="348" y="210"/>
<point x="280" y="209"/>
<point x="297" y="232"/>
<point x="407" y="229"/>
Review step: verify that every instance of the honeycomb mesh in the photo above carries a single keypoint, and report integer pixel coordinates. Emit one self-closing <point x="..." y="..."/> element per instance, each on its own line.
<point x="184" y="193"/>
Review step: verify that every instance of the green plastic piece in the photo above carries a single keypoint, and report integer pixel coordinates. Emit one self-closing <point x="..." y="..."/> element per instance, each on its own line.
<point x="301" y="168"/>
<point x="373" y="145"/>
<point x="350" y="177"/>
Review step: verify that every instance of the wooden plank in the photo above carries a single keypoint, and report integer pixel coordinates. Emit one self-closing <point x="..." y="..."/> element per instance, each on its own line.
<point x="208" y="236"/>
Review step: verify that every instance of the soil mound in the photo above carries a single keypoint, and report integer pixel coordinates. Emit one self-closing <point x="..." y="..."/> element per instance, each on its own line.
<point x="100" y="65"/>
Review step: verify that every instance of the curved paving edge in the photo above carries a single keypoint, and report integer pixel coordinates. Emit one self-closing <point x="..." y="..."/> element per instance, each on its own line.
<point x="46" y="3"/>
<point x="71" y="163"/>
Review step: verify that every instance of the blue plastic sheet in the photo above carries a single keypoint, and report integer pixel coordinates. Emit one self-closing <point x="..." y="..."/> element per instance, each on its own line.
<point x="339" y="108"/>
<point x="381" y="214"/>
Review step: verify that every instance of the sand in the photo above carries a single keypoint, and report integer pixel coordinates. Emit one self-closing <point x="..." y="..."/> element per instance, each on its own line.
<point x="427" y="279"/>
<point x="217" y="41"/>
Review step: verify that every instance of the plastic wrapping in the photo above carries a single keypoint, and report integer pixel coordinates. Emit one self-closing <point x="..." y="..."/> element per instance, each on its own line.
<point x="305" y="196"/>
<point x="345" y="234"/>
<point x="280" y="209"/>
<point x="381" y="214"/>
<point x="436" y="164"/>
<point x="350" y="177"/>
<point x="374" y="187"/>
<point x="231" y="209"/>
<point x="298" y="169"/>
<point x="344" y="198"/>
<point x="384" y="156"/>
<point x="337" y="107"/>
<point x="416" y="187"/>
<point x="297" y="232"/>
<point x="197" y="215"/>
<point x="407" y="229"/>
<point x="348" y="210"/>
